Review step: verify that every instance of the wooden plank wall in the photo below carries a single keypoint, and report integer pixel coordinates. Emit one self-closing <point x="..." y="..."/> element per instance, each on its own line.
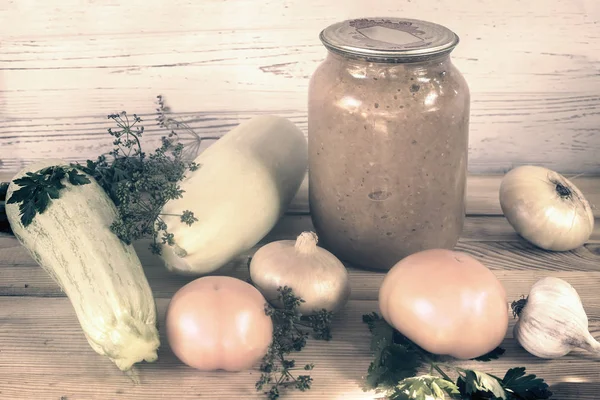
<point x="533" y="68"/>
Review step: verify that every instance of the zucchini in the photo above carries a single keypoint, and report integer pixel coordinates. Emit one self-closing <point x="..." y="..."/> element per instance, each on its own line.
<point x="102" y="277"/>
<point x="245" y="183"/>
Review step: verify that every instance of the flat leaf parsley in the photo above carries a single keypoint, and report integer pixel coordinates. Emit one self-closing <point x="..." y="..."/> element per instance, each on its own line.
<point x="37" y="189"/>
<point x="396" y="361"/>
<point x="139" y="184"/>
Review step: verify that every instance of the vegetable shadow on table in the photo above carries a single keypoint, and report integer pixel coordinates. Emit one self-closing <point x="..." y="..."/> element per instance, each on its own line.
<point x="583" y="390"/>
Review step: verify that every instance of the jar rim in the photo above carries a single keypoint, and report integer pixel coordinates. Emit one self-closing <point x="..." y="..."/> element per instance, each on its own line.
<point x="389" y="39"/>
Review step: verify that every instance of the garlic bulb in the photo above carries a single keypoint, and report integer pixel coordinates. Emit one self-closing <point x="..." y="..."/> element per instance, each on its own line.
<point x="553" y="321"/>
<point x="313" y="273"/>
<point x="546" y="208"/>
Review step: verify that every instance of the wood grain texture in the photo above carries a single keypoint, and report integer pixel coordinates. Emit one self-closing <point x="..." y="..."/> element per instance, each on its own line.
<point x="31" y="281"/>
<point x="482" y="194"/>
<point x="44" y="355"/>
<point x="38" y="334"/>
<point x="490" y="239"/>
<point x="533" y="71"/>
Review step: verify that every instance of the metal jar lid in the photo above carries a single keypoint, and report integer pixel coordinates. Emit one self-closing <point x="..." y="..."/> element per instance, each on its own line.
<point x="389" y="39"/>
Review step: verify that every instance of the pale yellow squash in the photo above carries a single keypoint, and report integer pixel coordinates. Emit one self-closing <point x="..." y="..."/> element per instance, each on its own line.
<point x="245" y="182"/>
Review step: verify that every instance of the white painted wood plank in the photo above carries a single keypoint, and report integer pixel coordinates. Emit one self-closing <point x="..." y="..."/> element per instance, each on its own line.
<point x="533" y="70"/>
<point x="506" y="131"/>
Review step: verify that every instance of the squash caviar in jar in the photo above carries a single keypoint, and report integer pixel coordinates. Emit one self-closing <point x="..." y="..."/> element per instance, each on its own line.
<point x="388" y="119"/>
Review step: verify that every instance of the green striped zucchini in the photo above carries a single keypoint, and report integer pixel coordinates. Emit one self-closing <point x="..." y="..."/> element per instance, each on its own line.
<point x="102" y="277"/>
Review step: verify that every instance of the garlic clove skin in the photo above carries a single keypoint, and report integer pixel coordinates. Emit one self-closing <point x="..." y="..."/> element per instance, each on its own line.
<point x="545" y="208"/>
<point x="540" y="342"/>
<point x="313" y="273"/>
<point x="553" y="321"/>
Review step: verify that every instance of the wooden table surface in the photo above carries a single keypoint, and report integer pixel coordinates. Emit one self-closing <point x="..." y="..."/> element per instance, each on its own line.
<point x="44" y="355"/>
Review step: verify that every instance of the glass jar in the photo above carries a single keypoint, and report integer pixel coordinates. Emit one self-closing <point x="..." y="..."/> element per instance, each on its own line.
<point x="388" y="122"/>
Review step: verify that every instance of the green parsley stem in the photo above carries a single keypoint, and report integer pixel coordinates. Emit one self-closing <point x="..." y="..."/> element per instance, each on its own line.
<point x="290" y="376"/>
<point x="436" y="366"/>
<point x="442" y="373"/>
<point x="123" y="150"/>
<point x="139" y="145"/>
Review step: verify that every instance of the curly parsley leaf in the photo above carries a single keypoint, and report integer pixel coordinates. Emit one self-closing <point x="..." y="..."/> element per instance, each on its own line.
<point x="187" y="217"/>
<point x="141" y="184"/>
<point x="289" y="335"/>
<point x="321" y="324"/>
<point x="37" y="189"/>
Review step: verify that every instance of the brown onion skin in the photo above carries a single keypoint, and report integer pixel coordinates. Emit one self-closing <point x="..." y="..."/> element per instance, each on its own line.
<point x="545" y="208"/>
<point x="218" y="323"/>
<point x="447" y="302"/>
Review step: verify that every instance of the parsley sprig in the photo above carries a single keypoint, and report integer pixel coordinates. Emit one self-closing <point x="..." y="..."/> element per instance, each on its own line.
<point x="397" y="361"/>
<point x="290" y="333"/>
<point x="192" y="142"/>
<point x="37" y="189"/>
<point x="139" y="184"/>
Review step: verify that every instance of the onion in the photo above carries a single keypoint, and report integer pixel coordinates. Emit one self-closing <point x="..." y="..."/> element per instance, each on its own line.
<point x="545" y="208"/>
<point x="313" y="273"/>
